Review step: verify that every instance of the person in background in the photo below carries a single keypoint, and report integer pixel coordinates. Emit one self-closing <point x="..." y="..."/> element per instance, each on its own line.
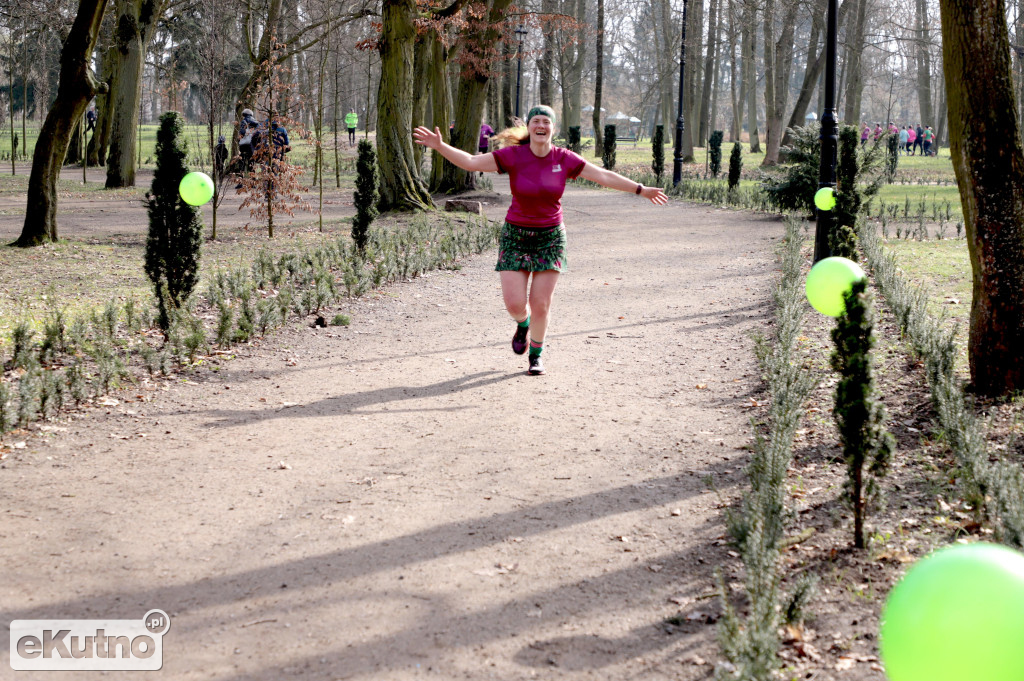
<point x="486" y="133"/>
<point x="351" y="121"/>
<point x="90" y="119"/>
<point x="919" y="141"/>
<point x="878" y="131"/>
<point x="220" y="156"/>
<point x="904" y="138"/>
<point x="929" y="137"/>
<point x="247" y="132"/>
<point x="865" y="133"/>
<point x="911" y="139"/>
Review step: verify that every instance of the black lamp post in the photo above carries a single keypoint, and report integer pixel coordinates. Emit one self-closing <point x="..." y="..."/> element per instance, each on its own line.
<point x="519" y="69"/>
<point x="829" y="138"/>
<point x="677" y="165"/>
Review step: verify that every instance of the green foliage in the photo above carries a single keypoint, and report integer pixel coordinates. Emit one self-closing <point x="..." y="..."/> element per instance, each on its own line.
<point x="735" y="165"/>
<point x="574" y="139"/>
<point x="341" y="320"/>
<point x="794" y="191"/>
<point x="175" y="227"/>
<point x="367" y="192"/>
<point x="658" y="149"/>
<point x="843" y="238"/>
<point x="751" y="644"/>
<point x="715" y="152"/>
<point x="859" y="413"/>
<point x="608" y="153"/>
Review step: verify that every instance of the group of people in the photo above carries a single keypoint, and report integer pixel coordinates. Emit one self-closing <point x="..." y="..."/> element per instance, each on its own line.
<point x="912" y="139"/>
<point x="254" y="138"/>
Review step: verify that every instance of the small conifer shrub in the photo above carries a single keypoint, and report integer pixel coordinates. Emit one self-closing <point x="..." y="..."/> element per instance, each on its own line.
<point x="658" y="149"/>
<point x="175" y="227"/>
<point x="608" y="155"/>
<point x="366" y="194"/>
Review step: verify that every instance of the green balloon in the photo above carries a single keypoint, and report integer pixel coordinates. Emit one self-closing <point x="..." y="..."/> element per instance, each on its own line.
<point x="196" y="188"/>
<point x="957" y="614"/>
<point x="828" y="281"/>
<point x="825" y="198"/>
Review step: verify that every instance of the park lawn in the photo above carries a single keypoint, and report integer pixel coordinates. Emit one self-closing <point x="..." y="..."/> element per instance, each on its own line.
<point x="942" y="268"/>
<point x="944" y="198"/>
<point x="82" y="276"/>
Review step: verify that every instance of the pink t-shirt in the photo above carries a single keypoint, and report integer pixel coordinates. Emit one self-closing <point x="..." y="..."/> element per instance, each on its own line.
<point x="537" y="183"/>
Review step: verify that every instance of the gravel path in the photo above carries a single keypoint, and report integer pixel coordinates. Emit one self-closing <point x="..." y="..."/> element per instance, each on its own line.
<point x="397" y="499"/>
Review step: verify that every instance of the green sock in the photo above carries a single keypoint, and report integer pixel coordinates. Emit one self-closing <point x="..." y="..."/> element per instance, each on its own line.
<point x="525" y="324"/>
<point x="536" y="348"/>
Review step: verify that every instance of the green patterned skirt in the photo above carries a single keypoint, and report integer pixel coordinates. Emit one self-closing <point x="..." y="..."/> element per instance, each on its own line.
<point x="534" y="249"/>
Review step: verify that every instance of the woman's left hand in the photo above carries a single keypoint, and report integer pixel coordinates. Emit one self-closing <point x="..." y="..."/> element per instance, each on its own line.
<point x="655" y="195"/>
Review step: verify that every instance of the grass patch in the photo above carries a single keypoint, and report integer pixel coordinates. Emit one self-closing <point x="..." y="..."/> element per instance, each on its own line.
<point x="943" y="269"/>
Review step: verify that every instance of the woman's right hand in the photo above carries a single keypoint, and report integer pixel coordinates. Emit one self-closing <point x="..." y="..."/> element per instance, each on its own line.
<point x="424" y="136"/>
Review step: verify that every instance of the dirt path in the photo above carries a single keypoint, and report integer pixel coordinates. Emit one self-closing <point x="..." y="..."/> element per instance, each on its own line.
<point x="397" y="499"/>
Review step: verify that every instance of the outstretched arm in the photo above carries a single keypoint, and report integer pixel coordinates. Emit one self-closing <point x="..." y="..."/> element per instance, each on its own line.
<point x="612" y="180"/>
<point x="484" y="163"/>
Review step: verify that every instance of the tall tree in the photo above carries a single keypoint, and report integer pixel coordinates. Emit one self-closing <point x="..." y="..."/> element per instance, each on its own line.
<point x="480" y="49"/>
<point x="749" y="42"/>
<point x="135" y="21"/>
<point x="76" y="87"/>
<point x="988" y="158"/>
<point x="401" y="186"/>
<point x="599" y="80"/>
<point x="852" y="64"/>
<point x="710" y="59"/>
<point x="778" y="57"/>
<point x="924" y="64"/>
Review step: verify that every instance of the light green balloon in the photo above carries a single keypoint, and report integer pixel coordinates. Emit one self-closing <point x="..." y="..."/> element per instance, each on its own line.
<point x="828" y="281"/>
<point x="825" y="198"/>
<point x="957" y="615"/>
<point x="196" y="188"/>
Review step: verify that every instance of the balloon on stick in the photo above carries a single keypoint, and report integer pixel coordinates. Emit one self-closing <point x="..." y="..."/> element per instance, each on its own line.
<point x="827" y="283"/>
<point x="957" y="614"/>
<point x="825" y="198"/>
<point x="196" y="188"/>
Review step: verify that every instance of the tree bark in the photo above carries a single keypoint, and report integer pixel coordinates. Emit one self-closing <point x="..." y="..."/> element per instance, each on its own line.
<point x="815" y="62"/>
<point x="572" y="59"/>
<point x="852" y="64"/>
<point x="401" y="186"/>
<point x="988" y="158"/>
<point x="471" y="96"/>
<point x="778" y="65"/>
<point x="709" y="73"/>
<point x="76" y="87"/>
<point x="599" y="81"/>
<point x="750" y="72"/>
<point x="134" y="21"/>
<point x="546" y="62"/>
<point x="441" y="110"/>
<point x="924" y="64"/>
<point x="735" y="74"/>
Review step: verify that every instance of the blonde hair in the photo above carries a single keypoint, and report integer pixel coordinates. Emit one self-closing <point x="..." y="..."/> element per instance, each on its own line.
<point x="517" y="134"/>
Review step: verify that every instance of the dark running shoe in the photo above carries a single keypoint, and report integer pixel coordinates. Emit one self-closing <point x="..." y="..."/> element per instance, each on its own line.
<point x="519" y="340"/>
<point x="536" y="366"/>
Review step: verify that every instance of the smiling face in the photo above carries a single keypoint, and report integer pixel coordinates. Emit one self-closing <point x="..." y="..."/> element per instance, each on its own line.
<point x="540" y="128"/>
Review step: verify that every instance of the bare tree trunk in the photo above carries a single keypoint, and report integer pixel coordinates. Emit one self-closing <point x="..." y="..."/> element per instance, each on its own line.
<point x="572" y="59"/>
<point x="988" y="158"/>
<point x="77" y="85"/>
<point x="924" y="64"/>
<point x="599" y="81"/>
<point x="401" y="186"/>
<point x="736" y="127"/>
<point x="506" y="85"/>
<point x="750" y="72"/>
<point x="135" y="20"/>
<point x="852" y="64"/>
<point x="546" y="61"/>
<point x="777" y="74"/>
<point x="815" y="62"/>
<point x="441" y="106"/>
<point x="709" y="72"/>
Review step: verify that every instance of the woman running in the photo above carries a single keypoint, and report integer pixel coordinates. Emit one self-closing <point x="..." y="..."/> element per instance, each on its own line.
<point x="532" y="241"/>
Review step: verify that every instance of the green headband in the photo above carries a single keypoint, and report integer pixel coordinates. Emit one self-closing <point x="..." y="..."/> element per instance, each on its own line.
<point x="541" y="111"/>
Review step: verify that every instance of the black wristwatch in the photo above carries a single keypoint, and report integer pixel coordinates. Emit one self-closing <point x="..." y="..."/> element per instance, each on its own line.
<point x="639" y="188"/>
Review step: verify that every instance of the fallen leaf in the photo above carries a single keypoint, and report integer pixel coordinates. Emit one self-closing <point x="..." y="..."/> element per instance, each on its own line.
<point x="701" y="386"/>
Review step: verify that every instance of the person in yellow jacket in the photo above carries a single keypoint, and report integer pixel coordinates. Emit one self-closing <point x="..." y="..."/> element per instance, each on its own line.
<point x="351" y="121"/>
